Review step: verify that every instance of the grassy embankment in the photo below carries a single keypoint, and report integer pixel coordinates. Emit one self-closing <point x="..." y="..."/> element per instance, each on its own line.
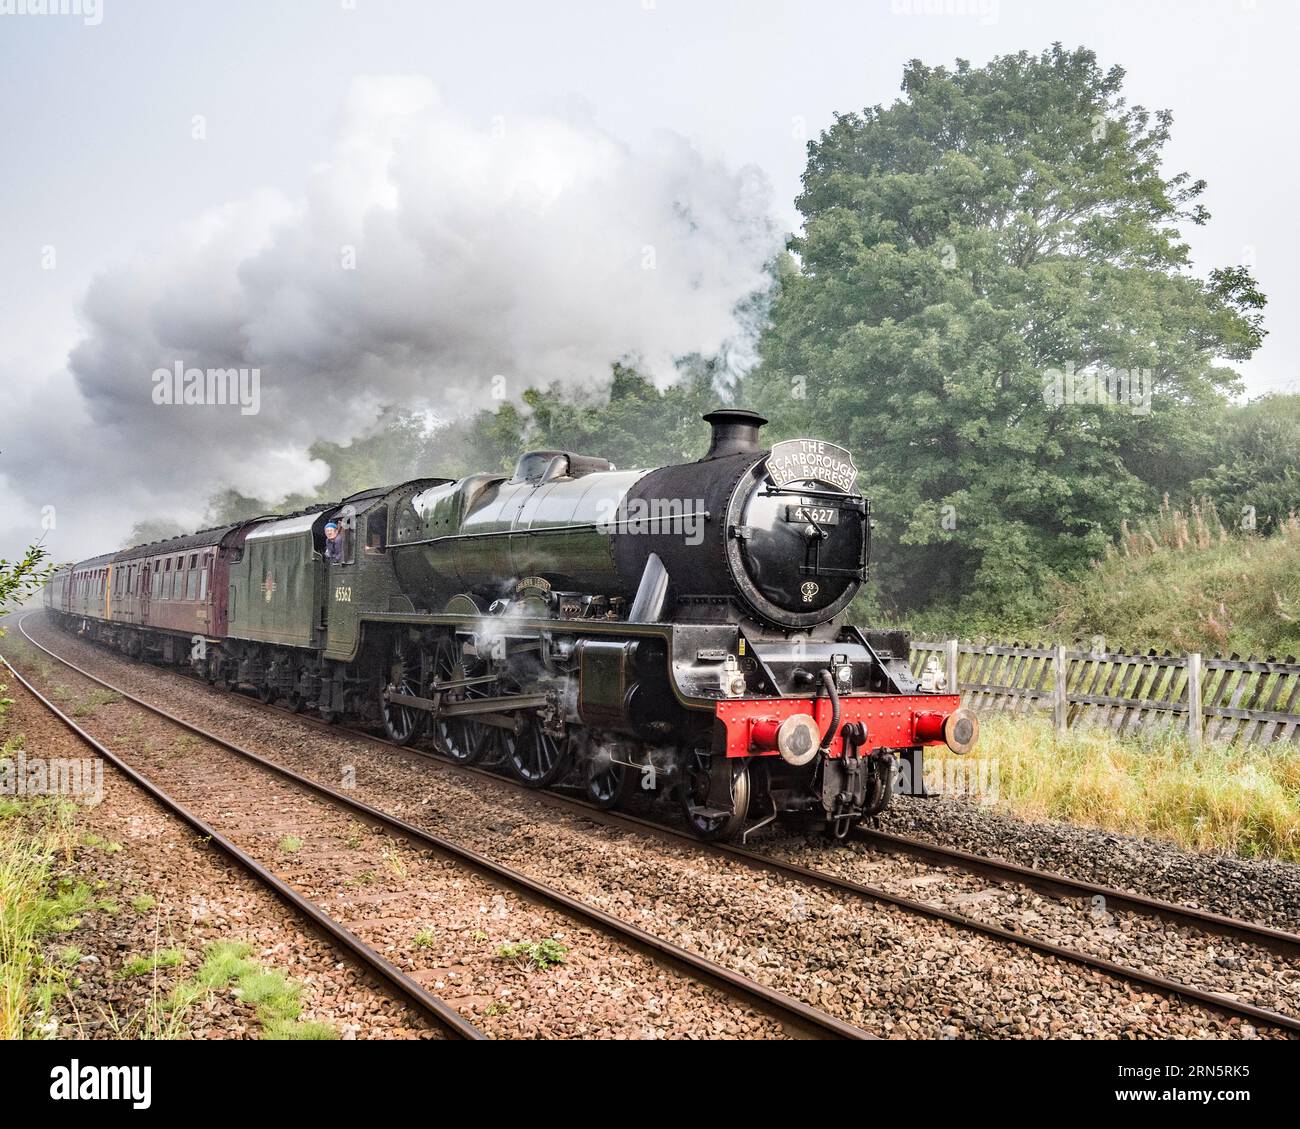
<point x="1183" y="583"/>
<point x="1239" y="799"/>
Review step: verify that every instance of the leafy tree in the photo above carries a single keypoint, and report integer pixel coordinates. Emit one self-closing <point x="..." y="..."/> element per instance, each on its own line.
<point x="23" y="578"/>
<point x="397" y="449"/>
<point x="19" y="581"/>
<point x="632" y="423"/>
<point x="993" y="226"/>
<point x="1257" y="467"/>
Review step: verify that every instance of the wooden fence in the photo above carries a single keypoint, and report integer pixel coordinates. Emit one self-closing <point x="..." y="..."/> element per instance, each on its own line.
<point x="1240" y="699"/>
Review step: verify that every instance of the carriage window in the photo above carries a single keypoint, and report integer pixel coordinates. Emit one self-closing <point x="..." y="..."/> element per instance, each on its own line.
<point x="377" y="530"/>
<point x="192" y="584"/>
<point x="203" y="585"/>
<point x="178" y="582"/>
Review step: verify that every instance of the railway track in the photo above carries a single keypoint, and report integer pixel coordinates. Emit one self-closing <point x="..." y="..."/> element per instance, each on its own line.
<point x="429" y="1004"/>
<point x="800" y="1018"/>
<point x="1275" y="940"/>
<point x="1062" y="885"/>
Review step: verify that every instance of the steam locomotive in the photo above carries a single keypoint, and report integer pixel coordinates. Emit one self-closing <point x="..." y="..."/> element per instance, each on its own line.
<point x="678" y="631"/>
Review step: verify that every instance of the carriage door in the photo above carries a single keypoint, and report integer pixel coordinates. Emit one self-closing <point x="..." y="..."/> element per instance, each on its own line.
<point x="145" y="588"/>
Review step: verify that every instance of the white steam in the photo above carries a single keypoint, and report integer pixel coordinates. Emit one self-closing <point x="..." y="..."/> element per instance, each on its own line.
<point x="433" y="262"/>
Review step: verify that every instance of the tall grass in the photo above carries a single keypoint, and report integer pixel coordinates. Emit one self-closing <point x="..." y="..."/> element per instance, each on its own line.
<point x="1184" y="582"/>
<point x="34" y="906"/>
<point x="1240" y="799"/>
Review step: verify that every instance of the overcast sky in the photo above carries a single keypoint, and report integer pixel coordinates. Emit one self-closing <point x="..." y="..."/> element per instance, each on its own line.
<point x="181" y="179"/>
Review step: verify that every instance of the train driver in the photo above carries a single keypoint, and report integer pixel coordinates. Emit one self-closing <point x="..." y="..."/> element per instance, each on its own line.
<point x="333" y="543"/>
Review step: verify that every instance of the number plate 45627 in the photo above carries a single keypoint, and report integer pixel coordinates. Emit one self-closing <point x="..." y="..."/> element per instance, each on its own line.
<point x="822" y="515"/>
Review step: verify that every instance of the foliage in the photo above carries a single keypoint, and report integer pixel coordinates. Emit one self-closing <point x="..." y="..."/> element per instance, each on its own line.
<point x="19" y="581"/>
<point x="995" y="225"/>
<point x="534" y="954"/>
<point x="35" y="904"/>
<point x="632" y="423"/>
<point x="22" y="579"/>
<point x="1257" y="467"/>
<point x="1183" y="582"/>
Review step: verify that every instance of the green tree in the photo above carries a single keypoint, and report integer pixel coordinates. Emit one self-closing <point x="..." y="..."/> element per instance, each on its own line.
<point x="632" y="423"/>
<point x="992" y="226"/>
<point x="1256" y="469"/>
<point x="19" y="581"/>
<point x="23" y="578"/>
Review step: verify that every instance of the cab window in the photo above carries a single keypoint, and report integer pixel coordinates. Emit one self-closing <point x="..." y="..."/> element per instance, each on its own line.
<point x="377" y="530"/>
<point x="348" y="537"/>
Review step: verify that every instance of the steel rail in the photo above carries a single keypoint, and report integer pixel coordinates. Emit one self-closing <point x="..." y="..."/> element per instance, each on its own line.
<point x="834" y="883"/>
<point x="775" y="1003"/>
<point x="1278" y="940"/>
<point x="424" y="1000"/>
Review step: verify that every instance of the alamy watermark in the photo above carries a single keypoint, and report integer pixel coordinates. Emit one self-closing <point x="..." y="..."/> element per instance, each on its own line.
<point x="81" y="777"/>
<point x="1099" y="385"/>
<point x="682" y="517"/>
<point x="975" y="778"/>
<point x="90" y="11"/>
<point x="181" y="385"/>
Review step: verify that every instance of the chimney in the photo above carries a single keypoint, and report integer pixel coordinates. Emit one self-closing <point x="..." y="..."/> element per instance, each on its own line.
<point x="735" y="432"/>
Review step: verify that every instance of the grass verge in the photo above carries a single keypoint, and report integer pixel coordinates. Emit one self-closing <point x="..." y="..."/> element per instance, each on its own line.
<point x="35" y="905"/>
<point x="1238" y="799"/>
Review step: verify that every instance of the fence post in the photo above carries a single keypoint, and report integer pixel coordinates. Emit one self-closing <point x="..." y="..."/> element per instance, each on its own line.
<point x="1060" y="703"/>
<point x="1195" y="718"/>
<point x="950" y="648"/>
